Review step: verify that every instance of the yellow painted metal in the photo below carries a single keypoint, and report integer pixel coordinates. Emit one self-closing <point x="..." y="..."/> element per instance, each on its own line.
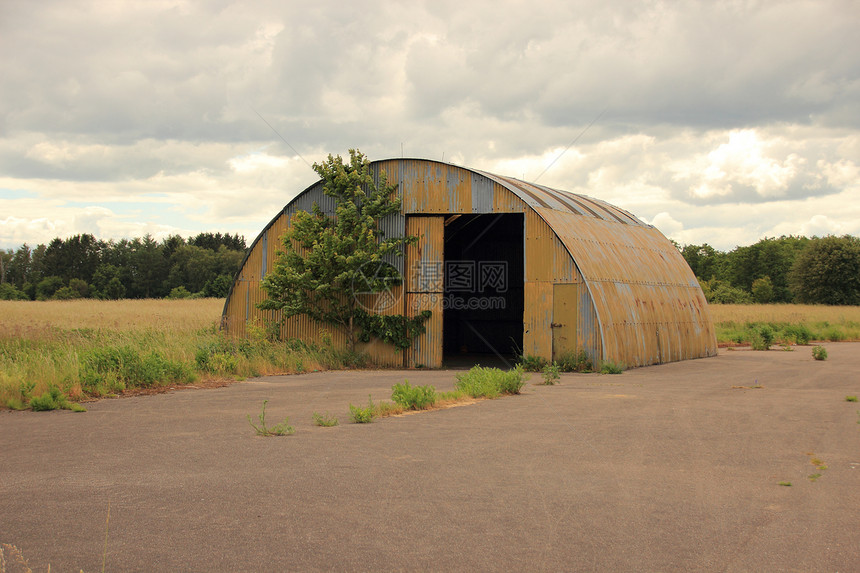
<point x="565" y="317"/>
<point x="637" y="301"/>
<point x="424" y="260"/>
<point x="425" y="286"/>
<point x="537" y="318"/>
<point x="434" y="188"/>
<point x="648" y="302"/>
<point x="506" y="202"/>
<point x="426" y="349"/>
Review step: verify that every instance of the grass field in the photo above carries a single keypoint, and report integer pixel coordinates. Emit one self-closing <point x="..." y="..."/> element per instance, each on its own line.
<point x="791" y="323"/>
<point x="56" y="353"/>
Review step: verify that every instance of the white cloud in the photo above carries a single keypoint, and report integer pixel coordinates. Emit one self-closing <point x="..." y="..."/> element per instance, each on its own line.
<point x="724" y="121"/>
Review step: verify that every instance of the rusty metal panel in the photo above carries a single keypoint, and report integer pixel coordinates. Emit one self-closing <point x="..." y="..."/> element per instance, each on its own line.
<point x="423" y="187"/>
<point x="642" y="290"/>
<point x="588" y="329"/>
<point x="458" y="188"/>
<point x="431" y="187"/>
<point x="426" y="349"/>
<point x="424" y="260"/>
<point x="425" y="286"/>
<point x="482" y="193"/>
<point x="506" y="202"/>
<point x="537" y="319"/>
<point x="546" y="257"/>
<point x="565" y="318"/>
<point x="638" y="301"/>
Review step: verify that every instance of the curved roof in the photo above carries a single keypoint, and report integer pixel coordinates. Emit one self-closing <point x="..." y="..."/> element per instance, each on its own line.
<point x="647" y="304"/>
<point x="546" y="197"/>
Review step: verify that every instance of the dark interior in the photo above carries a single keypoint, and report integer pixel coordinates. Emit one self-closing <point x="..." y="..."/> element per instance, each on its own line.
<point x="483" y="307"/>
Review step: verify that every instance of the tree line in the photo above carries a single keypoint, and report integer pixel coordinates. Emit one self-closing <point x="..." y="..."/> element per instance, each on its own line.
<point x="820" y="270"/>
<point x="85" y="267"/>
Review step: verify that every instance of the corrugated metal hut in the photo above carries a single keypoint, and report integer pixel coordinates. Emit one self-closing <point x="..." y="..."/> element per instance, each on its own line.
<point x="507" y="266"/>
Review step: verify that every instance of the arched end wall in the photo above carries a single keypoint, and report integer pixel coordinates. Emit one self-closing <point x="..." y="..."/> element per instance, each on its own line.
<point x="632" y="294"/>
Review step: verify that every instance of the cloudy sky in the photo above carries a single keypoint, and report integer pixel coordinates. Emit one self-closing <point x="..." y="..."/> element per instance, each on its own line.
<point x="719" y="122"/>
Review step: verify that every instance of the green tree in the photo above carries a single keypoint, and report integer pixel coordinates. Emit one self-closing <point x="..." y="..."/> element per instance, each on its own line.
<point x="9" y="292"/>
<point x="48" y="286"/>
<point x="762" y="290"/>
<point x="705" y="261"/>
<point x="769" y="257"/>
<point x="18" y="271"/>
<point x="827" y="271"/>
<point x="326" y="257"/>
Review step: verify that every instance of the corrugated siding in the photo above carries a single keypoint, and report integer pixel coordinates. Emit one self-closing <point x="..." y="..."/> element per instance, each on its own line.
<point x="537" y="318"/>
<point x="640" y="303"/>
<point x="434" y="188"/>
<point x="426" y="350"/>
<point x="425" y="286"/>
<point x="648" y="303"/>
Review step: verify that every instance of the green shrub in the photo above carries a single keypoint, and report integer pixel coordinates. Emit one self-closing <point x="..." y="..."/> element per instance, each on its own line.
<point x="799" y="333"/>
<point x="9" y="292"/>
<point x="179" y="293"/>
<point x="551" y="374"/>
<point x="116" y="368"/>
<point x="850" y="398"/>
<point x="609" y="367"/>
<point x="834" y="334"/>
<point x="719" y="292"/>
<point x="575" y="362"/>
<point x="50" y="400"/>
<point x="282" y="429"/>
<point x="480" y="382"/>
<point x="15" y="404"/>
<point x="413" y="397"/>
<point x="363" y="415"/>
<point x="532" y="363"/>
<point x="325" y="420"/>
<point x="761" y="337"/>
<point x="819" y="353"/>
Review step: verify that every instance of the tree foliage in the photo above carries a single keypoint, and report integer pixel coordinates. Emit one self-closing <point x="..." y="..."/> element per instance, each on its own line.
<point x="328" y="259"/>
<point x="83" y="266"/>
<point x="828" y="271"/>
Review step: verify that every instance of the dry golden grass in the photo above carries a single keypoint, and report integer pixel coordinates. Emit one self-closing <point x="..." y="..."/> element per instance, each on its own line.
<point x="820" y="323"/>
<point x="29" y="319"/>
<point x="49" y="345"/>
<point x="784" y="313"/>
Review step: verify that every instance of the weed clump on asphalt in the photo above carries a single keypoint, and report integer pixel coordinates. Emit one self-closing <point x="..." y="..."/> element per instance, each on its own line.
<point x="850" y="398"/>
<point x="413" y="397"/>
<point x="53" y="399"/>
<point x="575" y="362"/>
<point x="761" y="337"/>
<point x="282" y="429"/>
<point x="480" y="382"/>
<point x="819" y="353"/>
<point x="364" y="415"/>
<point x="531" y="363"/>
<point x="324" y="420"/>
<point x="551" y="374"/>
<point x="609" y="367"/>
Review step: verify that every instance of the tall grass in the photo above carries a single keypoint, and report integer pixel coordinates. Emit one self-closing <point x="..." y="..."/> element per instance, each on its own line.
<point x="790" y="323"/>
<point x="90" y="348"/>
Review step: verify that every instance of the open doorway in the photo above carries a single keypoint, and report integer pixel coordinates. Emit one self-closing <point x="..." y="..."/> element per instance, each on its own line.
<point x="483" y="300"/>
